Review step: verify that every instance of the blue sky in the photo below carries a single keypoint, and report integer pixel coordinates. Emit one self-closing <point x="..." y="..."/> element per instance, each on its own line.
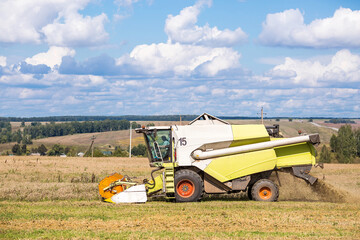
<point x="148" y="57"/>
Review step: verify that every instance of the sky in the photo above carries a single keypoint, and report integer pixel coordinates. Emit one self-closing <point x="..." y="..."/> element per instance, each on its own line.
<point x="156" y="57"/>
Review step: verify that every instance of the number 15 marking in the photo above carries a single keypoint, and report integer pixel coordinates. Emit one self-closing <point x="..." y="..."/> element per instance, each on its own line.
<point x="183" y="141"/>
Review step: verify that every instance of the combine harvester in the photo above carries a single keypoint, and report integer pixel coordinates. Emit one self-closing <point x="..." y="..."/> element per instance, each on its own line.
<point x="211" y="156"/>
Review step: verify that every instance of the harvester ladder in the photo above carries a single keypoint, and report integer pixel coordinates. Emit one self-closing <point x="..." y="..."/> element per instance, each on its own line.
<point x="169" y="180"/>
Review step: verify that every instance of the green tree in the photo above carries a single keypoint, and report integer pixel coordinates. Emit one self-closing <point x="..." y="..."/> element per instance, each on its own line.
<point x="98" y="153"/>
<point x="325" y="155"/>
<point x="26" y="139"/>
<point x="42" y="150"/>
<point x="16" y="149"/>
<point x="3" y="138"/>
<point x="290" y="119"/>
<point x="119" y="152"/>
<point x="139" y="150"/>
<point x="135" y="125"/>
<point x="24" y="149"/>
<point x="56" y="150"/>
<point x="17" y="136"/>
<point x="344" y="144"/>
<point x="334" y="143"/>
<point x="357" y="139"/>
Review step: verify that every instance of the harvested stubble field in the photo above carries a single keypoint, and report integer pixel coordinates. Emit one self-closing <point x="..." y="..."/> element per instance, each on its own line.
<point x="56" y="198"/>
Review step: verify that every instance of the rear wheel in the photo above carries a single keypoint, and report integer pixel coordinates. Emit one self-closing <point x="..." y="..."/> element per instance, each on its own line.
<point x="188" y="186"/>
<point x="265" y="190"/>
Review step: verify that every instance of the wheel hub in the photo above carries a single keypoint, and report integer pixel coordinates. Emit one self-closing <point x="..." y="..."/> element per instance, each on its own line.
<point x="265" y="193"/>
<point x="185" y="188"/>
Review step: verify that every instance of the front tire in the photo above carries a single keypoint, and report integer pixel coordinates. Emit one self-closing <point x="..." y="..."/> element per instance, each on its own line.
<point x="189" y="186"/>
<point x="265" y="190"/>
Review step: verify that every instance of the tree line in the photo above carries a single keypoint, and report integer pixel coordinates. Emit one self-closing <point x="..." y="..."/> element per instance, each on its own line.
<point x="344" y="147"/>
<point x="336" y="121"/>
<point x="57" y="150"/>
<point x="37" y="130"/>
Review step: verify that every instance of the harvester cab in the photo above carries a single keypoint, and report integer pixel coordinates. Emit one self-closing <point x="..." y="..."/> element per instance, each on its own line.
<point x="211" y="156"/>
<point x="157" y="140"/>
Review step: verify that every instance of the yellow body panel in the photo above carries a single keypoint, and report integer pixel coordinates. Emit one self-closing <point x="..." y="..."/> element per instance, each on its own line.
<point x="234" y="166"/>
<point x="296" y="154"/>
<point x="158" y="185"/>
<point x="248" y="134"/>
<point x="238" y="165"/>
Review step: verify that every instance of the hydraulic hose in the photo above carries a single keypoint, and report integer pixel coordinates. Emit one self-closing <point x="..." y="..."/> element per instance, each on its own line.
<point x="152" y="185"/>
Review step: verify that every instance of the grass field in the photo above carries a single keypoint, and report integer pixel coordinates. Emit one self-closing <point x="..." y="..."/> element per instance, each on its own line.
<point x="218" y="219"/>
<point x="57" y="198"/>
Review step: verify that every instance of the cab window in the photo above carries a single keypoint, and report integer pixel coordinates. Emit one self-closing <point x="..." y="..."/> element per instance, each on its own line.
<point x="159" y="145"/>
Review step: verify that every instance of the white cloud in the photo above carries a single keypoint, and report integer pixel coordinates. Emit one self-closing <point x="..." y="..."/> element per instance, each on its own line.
<point x="190" y="50"/>
<point x="181" y="59"/>
<point x="57" y="22"/>
<point x="97" y="80"/>
<point x="70" y="100"/>
<point x="288" y="29"/>
<point x="52" y="57"/>
<point x="125" y="3"/>
<point x="2" y="61"/>
<point x="86" y="81"/>
<point x="119" y="104"/>
<point x="182" y="28"/>
<point x="344" y="67"/>
<point x="16" y="78"/>
<point x="218" y="92"/>
<point x="76" y="30"/>
<point x="31" y="93"/>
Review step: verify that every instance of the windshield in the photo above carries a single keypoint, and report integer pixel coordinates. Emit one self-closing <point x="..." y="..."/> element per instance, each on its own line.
<point x="159" y="145"/>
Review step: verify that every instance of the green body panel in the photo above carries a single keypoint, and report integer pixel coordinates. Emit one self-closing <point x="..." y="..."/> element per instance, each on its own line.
<point x="234" y="166"/>
<point x="248" y="134"/>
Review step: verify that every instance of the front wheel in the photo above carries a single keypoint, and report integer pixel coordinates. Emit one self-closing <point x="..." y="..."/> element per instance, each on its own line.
<point x="189" y="186"/>
<point x="265" y="190"/>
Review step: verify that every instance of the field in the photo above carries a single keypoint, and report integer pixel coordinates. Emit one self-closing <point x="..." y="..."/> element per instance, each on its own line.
<point x="56" y="198"/>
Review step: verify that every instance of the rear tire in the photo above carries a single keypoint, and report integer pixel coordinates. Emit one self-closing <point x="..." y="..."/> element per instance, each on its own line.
<point x="265" y="190"/>
<point x="189" y="186"/>
<point x="249" y="192"/>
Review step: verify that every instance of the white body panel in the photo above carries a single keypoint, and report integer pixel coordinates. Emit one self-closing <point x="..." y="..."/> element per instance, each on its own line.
<point x="202" y="164"/>
<point x="188" y="138"/>
<point x="134" y="194"/>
